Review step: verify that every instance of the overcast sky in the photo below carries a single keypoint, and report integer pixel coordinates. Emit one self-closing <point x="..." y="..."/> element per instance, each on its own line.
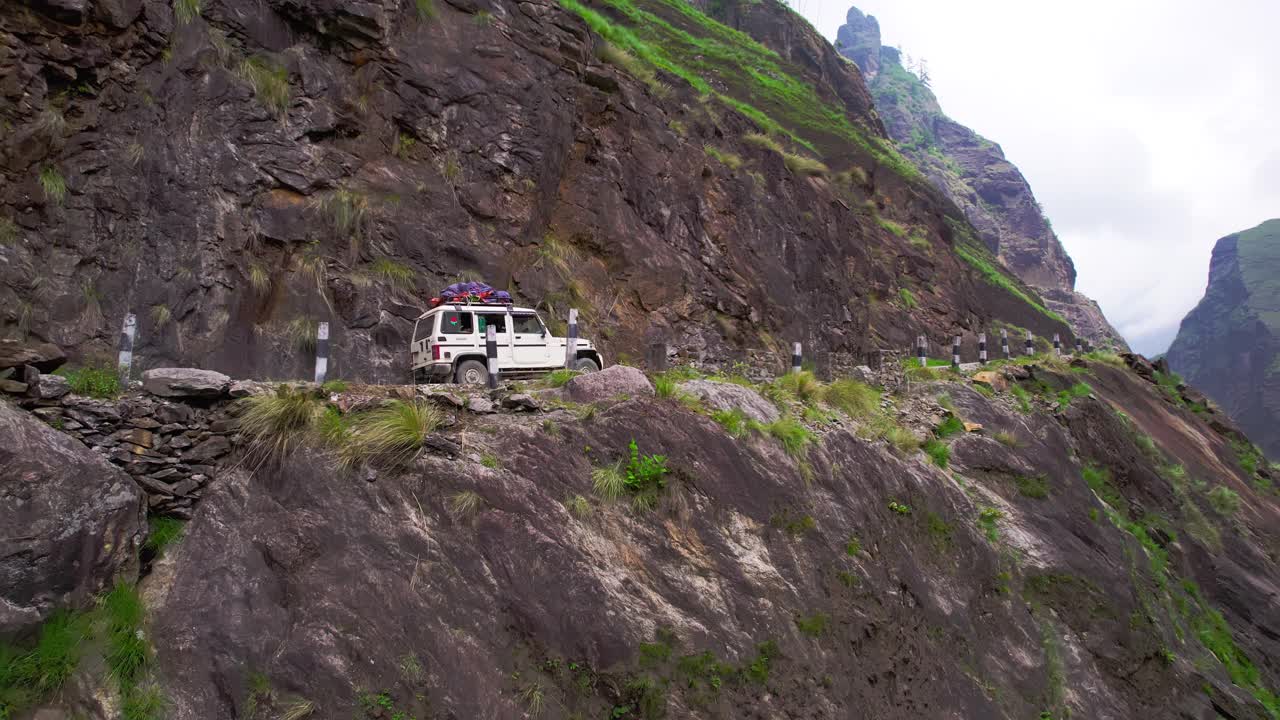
<point x="1148" y="129"/>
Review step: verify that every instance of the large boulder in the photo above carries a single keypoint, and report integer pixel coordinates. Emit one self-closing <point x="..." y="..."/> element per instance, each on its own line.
<point x="53" y="387"/>
<point x="185" y="382"/>
<point x="43" y="356"/>
<point x="727" y="396"/>
<point x="608" y="384"/>
<point x="71" y="521"/>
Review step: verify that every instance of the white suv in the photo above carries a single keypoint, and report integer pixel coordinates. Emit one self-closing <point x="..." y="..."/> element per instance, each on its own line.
<point x="449" y="344"/>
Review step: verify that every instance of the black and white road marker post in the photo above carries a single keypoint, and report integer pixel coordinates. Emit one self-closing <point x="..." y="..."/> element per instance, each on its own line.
<point x="1004" y="343"/>
<point x="1031" y="348"/>
<point x="982" y="348"/>
<point x="797" y="359"/>
<point x="955" y="353"/>
<point x="1057" y="345"/>
<point x="920" y="351"/>
<point x="322" y="352"/>
<point x="491" y="354"/>
<point x="128" y="332"/>
<point x="571" y="342"/>
<point x="1079" y="346"/>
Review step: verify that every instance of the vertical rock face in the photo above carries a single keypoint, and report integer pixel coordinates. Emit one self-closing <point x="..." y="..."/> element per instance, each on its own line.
<point x="974" y="174"/>
<point x="1229" y="345"/>
<point x="232" y="173"/>
<point x="70" y="522"/>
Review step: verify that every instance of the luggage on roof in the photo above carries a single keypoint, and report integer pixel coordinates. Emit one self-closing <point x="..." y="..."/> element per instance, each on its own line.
<point x="471" y="293"/>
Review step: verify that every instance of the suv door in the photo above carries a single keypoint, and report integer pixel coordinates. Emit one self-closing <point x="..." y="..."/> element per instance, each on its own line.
<point x="529" y="341"/>
<point x="498" y="320"/>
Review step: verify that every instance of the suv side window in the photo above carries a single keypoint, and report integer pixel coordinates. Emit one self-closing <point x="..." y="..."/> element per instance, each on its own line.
<point x="498" y="321"/>
<point x="456" y="323"/>
<point x="526" y="324"/>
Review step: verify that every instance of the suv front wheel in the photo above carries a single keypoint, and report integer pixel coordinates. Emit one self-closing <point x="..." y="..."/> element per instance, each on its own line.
<point x="471" y="372"/>
<point x="585" y="365"/>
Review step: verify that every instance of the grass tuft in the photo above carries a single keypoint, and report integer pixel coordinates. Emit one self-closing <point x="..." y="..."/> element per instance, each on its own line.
<point x="162" y="532"/>
<point x="465" y="505"/>
<point x="1225" y="501"/>
<point x="1036" y="487"/>
<point x="393" y="433"/>
<point x="855" y="399"/>
<point x="726" y="158"/>
<point x="396" y="274"/>
<point x="578" y="506"/>
<point x="937" y="451"/>
<point x="609" y="482"/>
<point x="764" y="142"/>
<point x="559" y="378"/>
<point x="186" y="10"/>
<point x="275" y="423"/>
<point x="795" y="437"/>
<point x="734" y="421"/>
<point x="804" y="166"/>
<point x="100" y="381"/>
<point x="802" y="386"/>
<point x="270" y="83"/>
<point x="53" y="185"/>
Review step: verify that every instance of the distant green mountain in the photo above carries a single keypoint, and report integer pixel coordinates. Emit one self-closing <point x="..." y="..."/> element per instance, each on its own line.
<point x="1229" y="345"/>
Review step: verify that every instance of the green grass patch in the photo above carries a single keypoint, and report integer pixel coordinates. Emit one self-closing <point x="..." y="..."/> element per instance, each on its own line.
<point x="1225" y="501"/>
<point x="734" y="421"/>
<point x="855" y="399"/>
<point x="1021" y="397"/>
<point x="812" y="625"/>
<point x="162" y="532"/>
<point x="764" y="142"/>
<point x="951" y="425"/>
<point x="908" y="299"/>
<point x="270" y="82"/>
<point x="29" y="675"/>
<point x="987" y="519"/>
<point x="937" y="451"/>
<point x="559" y="378"/>
<point x="1078" y="390"/>
<point x="793" y="436"/>
<point x="678" y="39"/>
<point x="331" y="387"/>
<point x="892" y="227"/>
<point x="53" y="184"/>
<point x="101" y="381"/>
<point x="981" y="260"/>
<point x="724" y="157"/>
<point x="804" y="166"/>
<point x="1036" y="487"/>
<point x="1099" y="480"/>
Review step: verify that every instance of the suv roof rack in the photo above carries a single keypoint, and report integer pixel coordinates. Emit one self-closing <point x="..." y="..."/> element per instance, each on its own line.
<point x="470" y="300"/>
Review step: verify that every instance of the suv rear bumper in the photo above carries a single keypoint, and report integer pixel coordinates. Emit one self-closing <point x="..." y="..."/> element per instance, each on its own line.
<point x="436" y="372"/>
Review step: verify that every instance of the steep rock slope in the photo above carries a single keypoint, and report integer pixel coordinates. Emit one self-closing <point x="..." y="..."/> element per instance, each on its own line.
<point x="1229" y="345"/>
<point x="234" y="172"/>
<point x="974" y="174"/>
<point x="1079" y="560"/>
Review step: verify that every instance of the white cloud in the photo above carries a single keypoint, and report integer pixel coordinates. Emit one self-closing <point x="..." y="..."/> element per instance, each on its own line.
<point x="1147" y="128"/>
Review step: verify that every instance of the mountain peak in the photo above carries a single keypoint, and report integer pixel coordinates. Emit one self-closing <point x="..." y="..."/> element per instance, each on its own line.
<point x="973" y="173"/>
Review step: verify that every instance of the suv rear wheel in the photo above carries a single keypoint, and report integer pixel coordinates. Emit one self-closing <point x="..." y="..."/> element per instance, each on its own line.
<point x="471" y="372"/>
<point x="585" y="365"/>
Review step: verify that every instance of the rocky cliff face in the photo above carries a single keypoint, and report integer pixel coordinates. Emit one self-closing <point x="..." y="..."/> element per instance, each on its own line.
<point x="1055" y="552"/>
<point x="974" y="174"/>
<point x="232" y="173"/>
<point x="1229" y="345"/>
